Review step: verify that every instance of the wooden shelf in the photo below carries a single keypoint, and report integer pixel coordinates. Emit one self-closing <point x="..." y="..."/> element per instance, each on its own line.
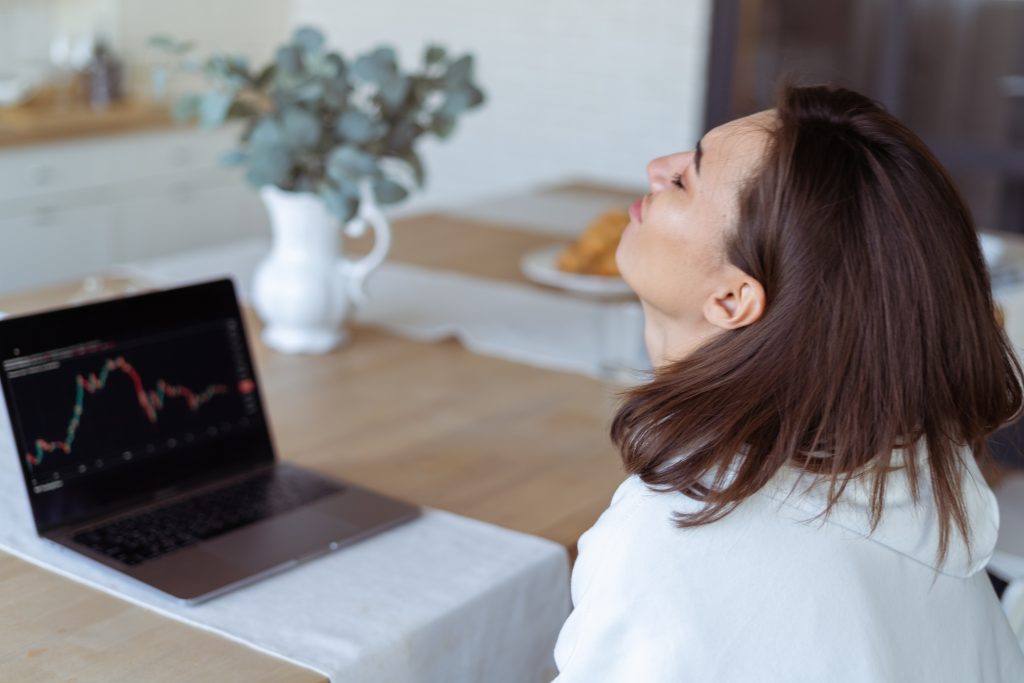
<point x="41" y="123"/>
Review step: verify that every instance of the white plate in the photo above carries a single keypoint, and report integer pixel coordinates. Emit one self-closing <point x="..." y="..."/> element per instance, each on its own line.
<point x="541" y="266"/>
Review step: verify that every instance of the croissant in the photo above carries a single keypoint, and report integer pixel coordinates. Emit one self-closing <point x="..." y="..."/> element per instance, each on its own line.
<point x="594" y="252"/>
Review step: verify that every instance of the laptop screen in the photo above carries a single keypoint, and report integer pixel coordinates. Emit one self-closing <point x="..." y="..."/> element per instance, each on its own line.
<point x="122" y="401"/>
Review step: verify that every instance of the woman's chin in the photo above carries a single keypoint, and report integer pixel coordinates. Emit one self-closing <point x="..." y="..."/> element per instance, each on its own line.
<point x="624" y="271"/>
<point x="621" y="262"/>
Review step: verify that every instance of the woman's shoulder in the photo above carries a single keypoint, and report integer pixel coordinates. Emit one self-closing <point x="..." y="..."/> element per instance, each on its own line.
<point x="638" y="532"/>
<point x="773" y="580"/>
<point x="643" y="515"/>
<point x="638" y="536"/>
<point x="638" y="521"/>
<point x="642" y="585"/>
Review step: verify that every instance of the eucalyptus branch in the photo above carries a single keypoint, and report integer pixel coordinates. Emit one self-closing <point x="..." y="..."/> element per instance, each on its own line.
<point x="315" y="123"/>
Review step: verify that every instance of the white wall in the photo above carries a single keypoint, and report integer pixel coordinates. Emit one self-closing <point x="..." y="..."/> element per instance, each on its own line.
<point x="252" y="28"/>
<point x="576" y="88"/>
<point x="590" y="88"/>
<point x="28" y="28"/>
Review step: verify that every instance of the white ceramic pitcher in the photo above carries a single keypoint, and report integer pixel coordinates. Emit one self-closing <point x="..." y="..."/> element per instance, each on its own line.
<point x="305" y="289"/>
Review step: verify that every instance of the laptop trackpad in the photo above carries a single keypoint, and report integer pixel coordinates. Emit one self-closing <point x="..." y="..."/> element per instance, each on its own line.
<point x="290" y="536"/>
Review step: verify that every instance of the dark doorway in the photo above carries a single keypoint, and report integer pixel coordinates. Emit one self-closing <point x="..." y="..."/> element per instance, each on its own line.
<point x="953" y="70"/>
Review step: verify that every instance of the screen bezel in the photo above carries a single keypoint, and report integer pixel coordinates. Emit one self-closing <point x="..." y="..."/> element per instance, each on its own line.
<point x="123" y="317"/>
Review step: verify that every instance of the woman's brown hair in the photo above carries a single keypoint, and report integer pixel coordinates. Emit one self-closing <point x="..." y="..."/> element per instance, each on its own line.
<point x="878" y="333"/>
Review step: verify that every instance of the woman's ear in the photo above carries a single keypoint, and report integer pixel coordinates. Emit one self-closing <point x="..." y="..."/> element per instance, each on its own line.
<point x="737" y="304"/>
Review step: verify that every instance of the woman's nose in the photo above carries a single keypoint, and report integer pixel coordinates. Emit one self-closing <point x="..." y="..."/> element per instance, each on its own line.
<point x="661" y="170"/>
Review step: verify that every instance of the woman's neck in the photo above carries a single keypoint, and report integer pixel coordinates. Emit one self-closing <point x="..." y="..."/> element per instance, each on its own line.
<point x="669" y="340"/>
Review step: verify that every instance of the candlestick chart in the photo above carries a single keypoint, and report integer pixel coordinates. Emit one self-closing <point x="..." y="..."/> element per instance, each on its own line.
<point x="151" y="402"/>
<point x="82" y="410"/>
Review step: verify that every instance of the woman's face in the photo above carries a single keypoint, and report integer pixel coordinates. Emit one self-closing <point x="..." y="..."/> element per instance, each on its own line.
<point x="672" y="252"/>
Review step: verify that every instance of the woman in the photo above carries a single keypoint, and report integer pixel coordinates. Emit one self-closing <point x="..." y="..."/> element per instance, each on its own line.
<point x="804" y="502"/>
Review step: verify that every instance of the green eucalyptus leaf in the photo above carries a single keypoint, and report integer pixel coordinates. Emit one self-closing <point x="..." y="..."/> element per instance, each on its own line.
<point x="289" y="60"/>
<point x="416" y="166"/>
<point x="336" y="65"/>
<point x="356" y="126"/>
<point x="456" y="102"/>
<point x="387" y="191"/>
<point x="422" y="87"/>
<point x="247" y="129"/>
<point x="459" y="72"/>
<point x="347" y="162"/>
<point x="386" y="57"/>
<point x="265" y="76"/>
<point x="301" y="129"/>
<point x="185" y="107"/>
<point x="268" y="165"/>
<point x="393" y="92"/>
<point x="347" y="186"/>
<point x="309" y="91"/>
<point x="216" y="66"/>
<point x="433" y="54"/>
<point x="161" y="41"/>
<point x="341" y="204"/>
<point x="236" y="68"/>
<point x="231" y="70"/>
<point x="378" y="66"/>
<point x="368" y="70"/>
<point x="335" y="91"/>
<point x="266" y="133"/>
<point x="241" y="110"/>
<point x="213" y="108"/>
<point x="442" y="125"/>
<point x="476" y="96"/>
<point x="403" y="134"/>
<point x="282" y="98"/>
<point x="309" y="39"/>
<point x="169" y="44"/>
<point x="471" y="94"/>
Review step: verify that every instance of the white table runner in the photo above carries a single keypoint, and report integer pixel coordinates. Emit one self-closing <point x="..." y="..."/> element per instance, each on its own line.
<point x="441" y="599"/>
<point x="516" y="322"/>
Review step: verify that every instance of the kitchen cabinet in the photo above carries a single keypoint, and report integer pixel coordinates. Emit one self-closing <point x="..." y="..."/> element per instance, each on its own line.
<point x="71" y="209"/>
<point x="51" y="243"/>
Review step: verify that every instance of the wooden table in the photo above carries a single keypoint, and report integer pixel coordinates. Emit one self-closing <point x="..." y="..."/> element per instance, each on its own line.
<point x="434" y="424"/>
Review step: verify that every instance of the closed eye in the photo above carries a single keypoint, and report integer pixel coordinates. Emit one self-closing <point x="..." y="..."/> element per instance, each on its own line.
<point x="677" y="180"/>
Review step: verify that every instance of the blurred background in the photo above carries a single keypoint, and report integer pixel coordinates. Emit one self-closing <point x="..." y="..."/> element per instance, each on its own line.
<point x="576" y="90"/>
<point x="953" y="70"/>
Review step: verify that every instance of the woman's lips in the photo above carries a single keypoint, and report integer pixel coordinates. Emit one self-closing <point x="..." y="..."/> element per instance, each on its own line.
<point x="635" y="210"/>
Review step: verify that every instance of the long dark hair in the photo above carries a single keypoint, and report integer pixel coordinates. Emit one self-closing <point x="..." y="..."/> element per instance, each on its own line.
<point x="878" y="333"/>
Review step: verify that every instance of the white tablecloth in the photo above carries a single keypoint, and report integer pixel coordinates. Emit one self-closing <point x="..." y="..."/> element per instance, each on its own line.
<point x="442" y="599"/>
<point x="516" y="322"/>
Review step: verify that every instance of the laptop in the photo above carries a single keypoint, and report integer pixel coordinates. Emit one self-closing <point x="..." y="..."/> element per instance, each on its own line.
<point x="144" y="445"/>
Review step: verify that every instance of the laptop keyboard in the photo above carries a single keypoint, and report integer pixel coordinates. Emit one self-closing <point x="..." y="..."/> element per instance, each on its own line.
<point x="133" y="540"/>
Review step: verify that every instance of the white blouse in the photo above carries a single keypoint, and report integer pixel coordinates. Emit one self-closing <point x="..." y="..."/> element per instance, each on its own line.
<point x="770" y="594"/>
